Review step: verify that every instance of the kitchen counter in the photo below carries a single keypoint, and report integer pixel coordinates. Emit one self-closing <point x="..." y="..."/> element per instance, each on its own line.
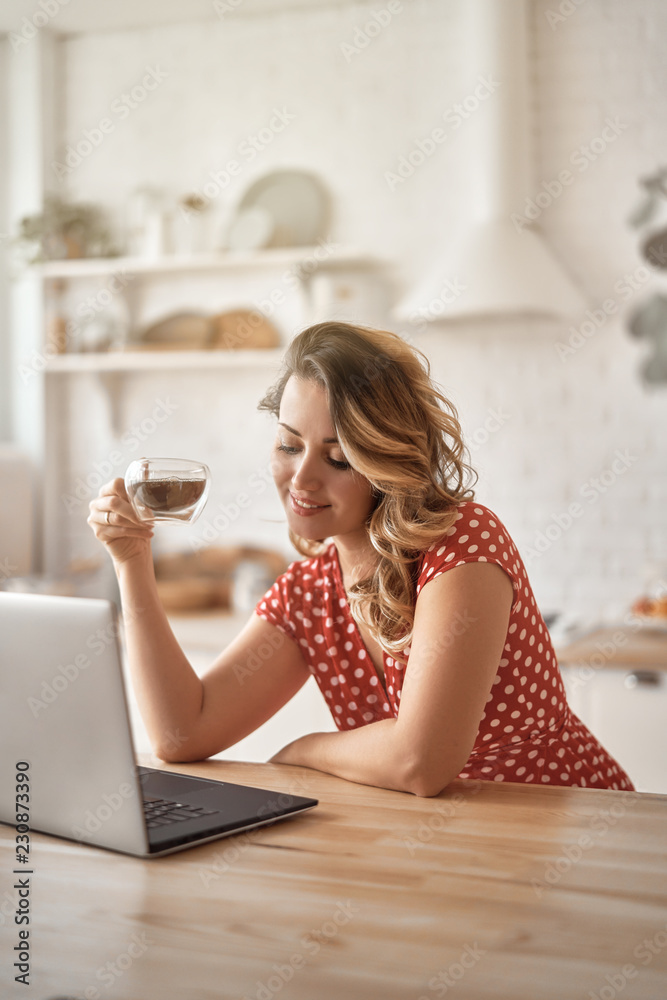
<point x="638" y="647"/>
<point x="208" y="630"/>
<point x="492" y="890"/>
<point x="616" y="682"/>
<point x="621" y="646"/>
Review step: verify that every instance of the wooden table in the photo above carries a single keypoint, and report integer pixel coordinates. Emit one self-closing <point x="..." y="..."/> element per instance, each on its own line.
<point x="503" y="891"/>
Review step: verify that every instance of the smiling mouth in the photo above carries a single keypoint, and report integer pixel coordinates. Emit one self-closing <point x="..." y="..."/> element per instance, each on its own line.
<point x="308" y="506"/>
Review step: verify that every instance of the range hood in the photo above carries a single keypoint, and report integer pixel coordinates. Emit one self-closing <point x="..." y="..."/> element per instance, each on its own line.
<point x="501" y="266"/>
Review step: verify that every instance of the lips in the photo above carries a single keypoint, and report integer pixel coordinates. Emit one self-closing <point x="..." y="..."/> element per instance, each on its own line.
<point x="305" y="507"/>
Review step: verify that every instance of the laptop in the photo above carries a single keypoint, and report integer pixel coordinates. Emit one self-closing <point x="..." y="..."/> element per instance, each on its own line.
<point x="65" y="727"/>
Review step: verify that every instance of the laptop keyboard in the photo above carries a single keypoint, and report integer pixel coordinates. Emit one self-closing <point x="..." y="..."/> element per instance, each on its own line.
<point x="164" y="812"/>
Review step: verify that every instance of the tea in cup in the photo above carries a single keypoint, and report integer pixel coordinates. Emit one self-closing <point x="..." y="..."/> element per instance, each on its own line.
<point x="167" y="489"/>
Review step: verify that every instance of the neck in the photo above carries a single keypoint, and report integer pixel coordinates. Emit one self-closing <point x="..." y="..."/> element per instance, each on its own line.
<point x="356" y="556"/>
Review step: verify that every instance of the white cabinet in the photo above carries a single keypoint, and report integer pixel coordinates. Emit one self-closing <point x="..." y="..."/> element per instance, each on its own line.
<point x="626" y="710"/>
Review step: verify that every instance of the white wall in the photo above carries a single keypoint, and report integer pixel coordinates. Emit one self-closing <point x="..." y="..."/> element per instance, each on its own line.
<point x="4" y="242"/>
<point x="605" y="61"/>
<point x="562" y="420"/>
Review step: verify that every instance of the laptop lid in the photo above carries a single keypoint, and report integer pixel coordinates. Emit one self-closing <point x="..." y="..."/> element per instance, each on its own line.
<point x="63" y="712"/>
<point x="65" y="729"/>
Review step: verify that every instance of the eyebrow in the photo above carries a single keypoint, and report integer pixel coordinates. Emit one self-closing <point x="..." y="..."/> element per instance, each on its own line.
<point x="292" y="431"/>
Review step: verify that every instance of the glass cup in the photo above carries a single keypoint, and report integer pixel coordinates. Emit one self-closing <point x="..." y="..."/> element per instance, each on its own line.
<point x="168" y="489"/>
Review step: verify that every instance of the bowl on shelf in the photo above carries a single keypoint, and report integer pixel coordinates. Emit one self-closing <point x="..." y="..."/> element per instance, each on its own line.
<point x="284" y="208"/>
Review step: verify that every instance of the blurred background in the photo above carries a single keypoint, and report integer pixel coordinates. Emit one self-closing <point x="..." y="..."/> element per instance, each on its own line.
<point x="186" y="184"/>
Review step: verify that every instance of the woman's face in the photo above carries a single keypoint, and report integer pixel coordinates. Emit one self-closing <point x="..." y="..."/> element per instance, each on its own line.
<point x="322" y="495"/>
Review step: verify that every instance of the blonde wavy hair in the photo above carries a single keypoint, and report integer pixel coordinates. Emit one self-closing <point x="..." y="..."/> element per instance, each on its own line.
<point x="398" y="431"/>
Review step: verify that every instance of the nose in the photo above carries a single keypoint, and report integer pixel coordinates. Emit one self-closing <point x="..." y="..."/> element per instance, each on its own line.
<point x="306" y="476"/>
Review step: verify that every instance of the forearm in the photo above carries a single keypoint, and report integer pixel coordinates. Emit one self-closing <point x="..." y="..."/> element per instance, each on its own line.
<point x="168" y="690"/>
<point x="370" y="755"/>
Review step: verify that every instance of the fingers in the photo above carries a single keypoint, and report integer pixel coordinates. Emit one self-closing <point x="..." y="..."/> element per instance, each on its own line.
<point x="113" y="517"/>
<point x="111" y="531"/>
<point x="113" y="499"/>
<point x="113" y="534"/>
<point x="111" y="509"/>
<point x="114" y="514"/>
<point x="120" y="512"/>
<point x="115" y="488"/>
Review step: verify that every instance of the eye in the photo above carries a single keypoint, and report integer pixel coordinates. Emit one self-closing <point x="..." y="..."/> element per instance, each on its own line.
<point x="291" y="450"/>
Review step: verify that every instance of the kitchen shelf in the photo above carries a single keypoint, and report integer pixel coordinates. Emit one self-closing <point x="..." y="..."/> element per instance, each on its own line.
<point x="129" y="361"/>
<point x="299" y="258"/>
<point x="255" y="259"/>
<point x="346" y="281"/>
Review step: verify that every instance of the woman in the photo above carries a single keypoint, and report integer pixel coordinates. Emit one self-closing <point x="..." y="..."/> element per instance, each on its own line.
<point x="412" y="610"/>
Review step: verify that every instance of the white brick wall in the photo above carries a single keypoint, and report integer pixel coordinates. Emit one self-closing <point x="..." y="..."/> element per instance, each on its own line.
<point x="565" y="418"/>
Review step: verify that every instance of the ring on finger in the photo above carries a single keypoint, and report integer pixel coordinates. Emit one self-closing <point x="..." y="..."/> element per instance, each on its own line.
<point x="108" y="517"/>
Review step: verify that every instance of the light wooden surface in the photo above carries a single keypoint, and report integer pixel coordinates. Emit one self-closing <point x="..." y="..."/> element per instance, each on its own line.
<point x="373" y="894"/>
<point x="621" y="646"/>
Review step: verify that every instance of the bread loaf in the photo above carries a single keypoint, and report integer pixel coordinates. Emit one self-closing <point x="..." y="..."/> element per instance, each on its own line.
<point x="242" y="329"/>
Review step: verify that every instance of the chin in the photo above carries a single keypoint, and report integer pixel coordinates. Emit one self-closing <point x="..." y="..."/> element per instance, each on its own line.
<point x="303" y="529"/>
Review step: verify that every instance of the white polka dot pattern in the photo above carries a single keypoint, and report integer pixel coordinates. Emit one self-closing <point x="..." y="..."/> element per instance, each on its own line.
<point x="528" y="733"/>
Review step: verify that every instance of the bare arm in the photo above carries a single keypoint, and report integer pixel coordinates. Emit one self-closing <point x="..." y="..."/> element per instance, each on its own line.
<point x="370" y="755"/>
<point x="461" y="621"/>
<point x="169" y="692"/>
<point x="187" y="717"/>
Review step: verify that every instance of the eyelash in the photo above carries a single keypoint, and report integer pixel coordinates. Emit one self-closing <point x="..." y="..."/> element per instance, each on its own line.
<point x="292" y="451"/>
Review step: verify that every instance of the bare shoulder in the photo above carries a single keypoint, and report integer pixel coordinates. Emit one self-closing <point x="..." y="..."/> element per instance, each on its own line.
<point x="476" y="582"/>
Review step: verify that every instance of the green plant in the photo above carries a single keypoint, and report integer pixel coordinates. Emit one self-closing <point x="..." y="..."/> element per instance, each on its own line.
<point x="65" y="229"/>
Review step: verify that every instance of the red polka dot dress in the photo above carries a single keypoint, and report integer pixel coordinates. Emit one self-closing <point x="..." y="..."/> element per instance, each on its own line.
<point x="527" y="732"/>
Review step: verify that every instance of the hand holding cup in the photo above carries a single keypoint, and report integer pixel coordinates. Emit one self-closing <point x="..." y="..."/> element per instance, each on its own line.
<point x="117" y="525"/>
<point x="159" y="489"/>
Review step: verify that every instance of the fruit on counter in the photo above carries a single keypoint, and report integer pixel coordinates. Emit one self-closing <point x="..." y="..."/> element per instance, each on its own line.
<point x="652" y="607"/>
